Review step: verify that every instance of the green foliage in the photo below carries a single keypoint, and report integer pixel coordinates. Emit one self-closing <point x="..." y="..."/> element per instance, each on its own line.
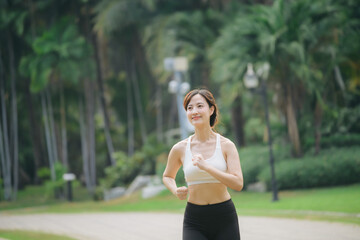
<point x="128" y="167"/>
<point x="183" y="33"/>
<point x="117" y="15"/>
<point x="44" y="173"/>
<point x="338" y="140"/>
<point x="254" y="130"/>
<point x="56" y="186"/>
<point x="332" y="167"/>
<point x="255" y="158"/>
<point x="345" y="120"/>
<point x="303" y="40"/>
<point x="59" y="52"/>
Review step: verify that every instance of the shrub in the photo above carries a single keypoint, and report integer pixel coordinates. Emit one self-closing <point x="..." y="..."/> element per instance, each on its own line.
<point x="338" y="140"/>
<point x="330" y="168"/>
<point x="254" y="130"/>
<point x="56" y="186"/>
<point x="44" y="173"/>
<point x="128" y="167"/>
<point x="255" y="158"/>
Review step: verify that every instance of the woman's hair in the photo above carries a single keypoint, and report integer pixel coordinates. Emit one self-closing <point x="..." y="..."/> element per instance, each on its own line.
<point x="209" y="99"/>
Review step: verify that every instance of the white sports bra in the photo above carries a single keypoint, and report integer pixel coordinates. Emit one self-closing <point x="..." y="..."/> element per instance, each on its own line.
<point x="193" y="174"/>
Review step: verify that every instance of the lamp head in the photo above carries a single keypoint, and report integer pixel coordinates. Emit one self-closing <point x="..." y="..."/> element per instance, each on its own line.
<point x="250" y="78"/>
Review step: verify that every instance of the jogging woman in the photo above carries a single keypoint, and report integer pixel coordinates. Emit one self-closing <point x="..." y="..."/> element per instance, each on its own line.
<point x="211" y="164"/>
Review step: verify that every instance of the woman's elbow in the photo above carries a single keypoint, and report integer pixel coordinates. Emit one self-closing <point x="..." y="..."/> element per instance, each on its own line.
<point x="166" y="178"/>
<point x="239" y="185"/>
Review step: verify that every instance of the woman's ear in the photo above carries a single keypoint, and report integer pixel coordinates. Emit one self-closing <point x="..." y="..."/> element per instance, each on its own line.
<point x="212" y="109"/>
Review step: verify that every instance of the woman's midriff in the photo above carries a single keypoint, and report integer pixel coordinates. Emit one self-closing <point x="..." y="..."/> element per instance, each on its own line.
<point x="208" y="193"/>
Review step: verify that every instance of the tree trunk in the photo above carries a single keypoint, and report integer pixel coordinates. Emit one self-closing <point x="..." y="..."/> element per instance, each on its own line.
<point x="2" y="163"/>
<point x="52" y="127"/>
<point x="292" y="123"/>
<point x="89" y="87"/>
<point x="34" y="127"/>
<point x="100" y="81"/>
<point x="317" y="123"/>
<point x="173" y="113"/>
<point x="205" y="74"/>
<point x="14" y="119"/>
<point x="84" y="148"/>
<point x="34" y="131"/>
<point x="5" y="173"/>
<point x="90" y="133"/>
<point x="63" y="127"/>
<point x="138" y="103"/>
<point x="130" y="117"/>
<point x="48" y="136"/>
<point x="5" y="142"/>
<point x="237" y="121"/>
<point x="159" y="120"/>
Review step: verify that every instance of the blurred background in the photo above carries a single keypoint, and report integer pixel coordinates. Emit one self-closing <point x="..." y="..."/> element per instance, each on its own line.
<point x="85" y="90"/>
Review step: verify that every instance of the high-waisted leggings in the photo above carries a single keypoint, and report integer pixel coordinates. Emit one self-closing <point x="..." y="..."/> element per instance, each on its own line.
<point x="211" y="222"/>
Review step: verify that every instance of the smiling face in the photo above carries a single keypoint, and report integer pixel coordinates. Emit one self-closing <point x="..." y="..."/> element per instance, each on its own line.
<point x="198" y="111"/>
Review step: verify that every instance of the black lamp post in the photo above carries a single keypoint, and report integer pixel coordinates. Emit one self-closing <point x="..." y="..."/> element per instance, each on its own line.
<point x="251" y="82"/>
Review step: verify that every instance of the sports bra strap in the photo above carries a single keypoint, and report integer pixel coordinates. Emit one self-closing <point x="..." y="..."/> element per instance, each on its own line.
<point x="188" y="144"/>
<point x="218" y="141"/>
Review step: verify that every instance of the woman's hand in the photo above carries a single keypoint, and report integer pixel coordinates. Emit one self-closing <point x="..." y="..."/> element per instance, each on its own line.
<point x="198" y="160"/>
<point x="181" y="193"/>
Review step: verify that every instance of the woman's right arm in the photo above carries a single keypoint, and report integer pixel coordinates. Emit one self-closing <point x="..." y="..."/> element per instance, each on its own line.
<point x="172" y="167"/>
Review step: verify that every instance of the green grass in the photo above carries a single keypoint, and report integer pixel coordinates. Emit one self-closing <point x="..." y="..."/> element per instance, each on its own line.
<point x="33" y="196"/>
<point x="30" y="235"/>
<point x="331" y="204"/>
<point x="336" y="199"/>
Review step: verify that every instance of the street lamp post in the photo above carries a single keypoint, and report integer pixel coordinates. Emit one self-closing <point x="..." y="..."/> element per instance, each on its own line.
<point x="177" y="86"/>
<point x="251" y="82"/>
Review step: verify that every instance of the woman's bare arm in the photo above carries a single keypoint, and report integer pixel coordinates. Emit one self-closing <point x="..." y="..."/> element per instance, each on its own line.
<point x="172" y="167"/>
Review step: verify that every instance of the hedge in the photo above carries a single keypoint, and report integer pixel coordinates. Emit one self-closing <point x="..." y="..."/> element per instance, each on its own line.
<point x="331" y="168"/>
<point x="255" y="158"/>
<point x="338" y="140"/>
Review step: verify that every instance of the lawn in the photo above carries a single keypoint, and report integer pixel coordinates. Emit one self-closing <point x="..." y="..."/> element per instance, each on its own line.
<point x="330" y="204"/>
<point x="30" y="235"/>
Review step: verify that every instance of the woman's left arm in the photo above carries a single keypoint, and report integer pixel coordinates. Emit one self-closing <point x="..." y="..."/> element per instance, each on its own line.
<point x="233" y="178"/>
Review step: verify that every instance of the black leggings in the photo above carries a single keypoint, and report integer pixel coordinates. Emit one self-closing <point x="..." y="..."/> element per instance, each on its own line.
<point x="211" y="222"/>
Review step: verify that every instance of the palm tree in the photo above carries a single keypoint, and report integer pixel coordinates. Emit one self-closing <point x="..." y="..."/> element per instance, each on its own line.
<point x="55" y="60"/>
<point x="122" y="21"/>
<point x="288" y="35"/>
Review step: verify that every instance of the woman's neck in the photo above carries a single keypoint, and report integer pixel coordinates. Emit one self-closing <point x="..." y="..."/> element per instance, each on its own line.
<point x="203" y="134"/>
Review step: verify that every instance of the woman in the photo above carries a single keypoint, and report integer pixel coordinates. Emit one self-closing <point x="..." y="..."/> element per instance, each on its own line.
<point x="211" y="164"/>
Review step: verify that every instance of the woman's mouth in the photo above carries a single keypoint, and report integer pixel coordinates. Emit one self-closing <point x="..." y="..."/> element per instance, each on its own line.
<point x="196" y="117"/>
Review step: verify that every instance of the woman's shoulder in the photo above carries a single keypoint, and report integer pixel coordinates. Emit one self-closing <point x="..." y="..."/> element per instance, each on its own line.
<point x="179" y="147"/>
<point x="226" y="143"/>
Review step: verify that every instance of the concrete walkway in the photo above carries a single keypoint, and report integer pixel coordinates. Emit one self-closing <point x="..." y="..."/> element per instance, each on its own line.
<point x="168" y="226"/>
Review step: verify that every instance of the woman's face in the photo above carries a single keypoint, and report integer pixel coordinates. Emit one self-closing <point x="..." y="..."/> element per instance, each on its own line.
<point x="198" y="111"/>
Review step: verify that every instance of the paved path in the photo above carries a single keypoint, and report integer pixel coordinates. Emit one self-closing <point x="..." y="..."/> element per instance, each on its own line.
<point x="167" y="226"/>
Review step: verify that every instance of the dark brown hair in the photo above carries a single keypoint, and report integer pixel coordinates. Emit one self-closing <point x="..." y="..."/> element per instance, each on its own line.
<point x="209" y="99"/>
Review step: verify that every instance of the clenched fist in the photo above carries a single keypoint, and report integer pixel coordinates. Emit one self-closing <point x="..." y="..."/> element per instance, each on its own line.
<point x="198" y="160"/>
<point x="181" y="193"/>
